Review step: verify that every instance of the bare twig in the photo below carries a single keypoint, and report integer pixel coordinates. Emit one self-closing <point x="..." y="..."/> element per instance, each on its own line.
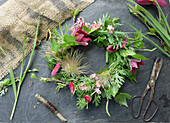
<point x="51" y="107"/>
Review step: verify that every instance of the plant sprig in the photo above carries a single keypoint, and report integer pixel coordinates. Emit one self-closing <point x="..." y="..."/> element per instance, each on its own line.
<point x="22" y="76"/>
<point x="157" y="27"/>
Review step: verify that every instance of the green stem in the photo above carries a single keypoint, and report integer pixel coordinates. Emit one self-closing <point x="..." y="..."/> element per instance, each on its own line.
<point x="21" y="79"/>
<point x="157" y="46"/>
<point x="107" y="103"/>
<point x="15" y="103"/>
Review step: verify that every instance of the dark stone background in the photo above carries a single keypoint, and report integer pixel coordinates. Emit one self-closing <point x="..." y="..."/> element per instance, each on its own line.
<point x="66" y="104"/>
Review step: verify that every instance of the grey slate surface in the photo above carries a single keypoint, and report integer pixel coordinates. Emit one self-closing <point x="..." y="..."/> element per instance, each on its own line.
<point x="66" y="104"/>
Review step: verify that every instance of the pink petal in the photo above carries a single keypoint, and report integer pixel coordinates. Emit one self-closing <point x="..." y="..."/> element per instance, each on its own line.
<point x="85" y="39"/>
<point x="110" y="31"/>
<point x="87" y="98"/>
<point x="133" y="64"/>
<point x="71" y="85"/>
<point x="55" y="69"/>
<point x="144" y="2"/>
<point x="125" y="42"/>
<point x="110" y="49"/>
<point x="162" y="3"/>
<point x="80" y="37"/>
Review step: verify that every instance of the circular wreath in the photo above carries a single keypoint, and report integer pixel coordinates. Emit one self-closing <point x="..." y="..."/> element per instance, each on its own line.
<point x="69" y="69"/>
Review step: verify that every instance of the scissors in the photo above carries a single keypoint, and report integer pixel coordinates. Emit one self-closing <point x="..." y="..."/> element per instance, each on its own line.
<point x="151" y="85"/>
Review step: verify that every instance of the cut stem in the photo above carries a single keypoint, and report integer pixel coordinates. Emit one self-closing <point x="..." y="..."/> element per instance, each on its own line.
<point x="51" y="107"/>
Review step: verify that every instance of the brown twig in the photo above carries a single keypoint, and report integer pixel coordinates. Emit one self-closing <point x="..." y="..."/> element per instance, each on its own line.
<point x="51" y="107"/>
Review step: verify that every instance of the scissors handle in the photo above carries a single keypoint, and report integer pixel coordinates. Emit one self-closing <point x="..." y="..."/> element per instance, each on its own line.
<point x="144" y="114"/>
<point x="141" y="102"/>
<point x="140" y="107"/>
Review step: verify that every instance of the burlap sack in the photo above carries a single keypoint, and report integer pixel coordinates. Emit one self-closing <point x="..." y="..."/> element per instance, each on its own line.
<point x="15" y="14"/>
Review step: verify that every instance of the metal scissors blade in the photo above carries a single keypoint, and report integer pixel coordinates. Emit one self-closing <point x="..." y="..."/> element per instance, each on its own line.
<point x="156" y="68"/>
<point x="151" y="85"/>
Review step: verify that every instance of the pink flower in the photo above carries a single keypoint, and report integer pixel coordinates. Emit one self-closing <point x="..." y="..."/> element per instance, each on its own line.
<point x="71" y="85"/>
<point x="110" y="47"/>
<point x="97" y="90"/>
<point x="87" y="98"/>
<point x="93" y="76"/>
<point x="96" y="25"/>
<point x="83" y="87"/>
<point x="162" y="3"/>
<point x="79" y="22"/>
<point x="134" y="64"/>
<point x="88" y="25"/>
<point x="55" y="69"/>
<point x="97" y="84"/>
<point x="110" y="28"/>
<point x="82" y="36"/>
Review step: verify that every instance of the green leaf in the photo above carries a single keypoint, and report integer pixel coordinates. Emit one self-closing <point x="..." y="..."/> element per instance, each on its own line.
<point x="121" y="98"/>
<point x="76" y="12"/>
<point x="35" y="70"/>
<point x="13" y="81"/>
<point x="150" y="33"/>
<point x="138" y="35"/>
<point x="2" y="50"/>
<point x="55" y="46"/>
<point x="51" y="60"/>
<point x="33" y="76"/>
<point x="126" y="53"/>
<point x="5" y="82"/>
<point x="148" y="39"/>
<point x="51" y="66"/>
<point x="85" y="28"/>
<point x="114" y="90"/>
<point x="139" y="44"/>
<point x="69" y="39"/>
<point x="139" y="56"/>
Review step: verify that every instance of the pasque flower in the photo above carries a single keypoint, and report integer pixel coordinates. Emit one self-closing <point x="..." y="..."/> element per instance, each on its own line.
<point x="110" y="47"/>
<point x="162" y="3"/>
<point x="56" y="68"/>
<point x="71" y="85"/>
<point x="82" y="36"/>
<point x="87" y="98"/>
<point x="134" y="64"/>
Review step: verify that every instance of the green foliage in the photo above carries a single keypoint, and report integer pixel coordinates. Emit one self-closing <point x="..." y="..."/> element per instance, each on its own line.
<point x="96" y="99"/>
<point x="2" y="50"/>
<point x="114" y="90"/>
<point x="126" y="53"/>
<point x="107" y="81"/>
<point x="33" y="76"/>
<point x="81" y="103"/>
<point x="158" y="27"/>
<point x="33" y="70"/>
<point x="60" y="86"/>
<point x="139" y="56"/>
<point x="55" y="46"/>
<point x="5" y="82"/>
<point x="75" y="13"/>
<point x="13" y="81"/>
<point x="121" y="98"/>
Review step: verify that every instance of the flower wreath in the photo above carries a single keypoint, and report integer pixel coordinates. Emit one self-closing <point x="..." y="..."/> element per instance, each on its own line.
<point x="68" y="68"/>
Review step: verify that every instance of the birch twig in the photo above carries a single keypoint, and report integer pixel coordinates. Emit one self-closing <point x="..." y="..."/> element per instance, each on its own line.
<point x="51" y="107"/>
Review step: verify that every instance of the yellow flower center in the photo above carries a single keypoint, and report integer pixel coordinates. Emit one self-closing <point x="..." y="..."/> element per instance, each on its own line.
<point x="151" y="0"/>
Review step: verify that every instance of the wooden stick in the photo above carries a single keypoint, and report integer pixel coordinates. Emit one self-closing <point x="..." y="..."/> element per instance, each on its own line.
<point x="51" y="107"/>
